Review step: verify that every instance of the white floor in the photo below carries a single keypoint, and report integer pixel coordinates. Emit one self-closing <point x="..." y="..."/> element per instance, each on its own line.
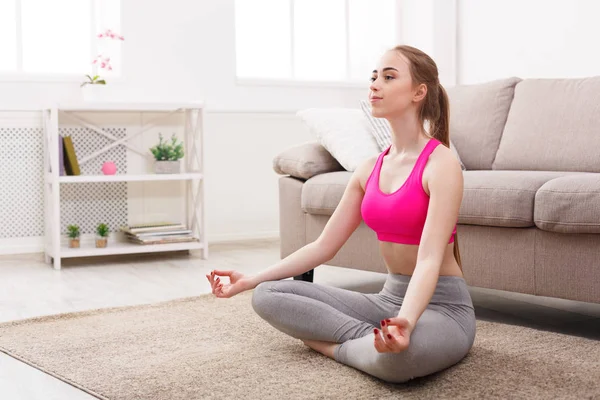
<point x="30" y="288"/>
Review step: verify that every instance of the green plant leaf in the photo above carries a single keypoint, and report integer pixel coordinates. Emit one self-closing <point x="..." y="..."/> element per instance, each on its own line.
<point x="101" y="82"/>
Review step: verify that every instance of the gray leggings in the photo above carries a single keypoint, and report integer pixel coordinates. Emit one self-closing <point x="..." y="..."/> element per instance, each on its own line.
<point x="443" y="336"/>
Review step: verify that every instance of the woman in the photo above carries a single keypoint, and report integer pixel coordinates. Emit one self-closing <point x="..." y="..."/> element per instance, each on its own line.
<point x="423" y="320"/>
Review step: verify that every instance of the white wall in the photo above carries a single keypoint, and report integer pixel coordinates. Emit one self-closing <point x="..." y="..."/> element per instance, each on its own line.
<point x="241" y="187"/>
<point x="194" y="42"/>
<point x="184" y="50"/>
<point x="528" y="39"/>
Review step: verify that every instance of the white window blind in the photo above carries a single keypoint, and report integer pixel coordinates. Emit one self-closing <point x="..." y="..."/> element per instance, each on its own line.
<point x="312" y="40"/>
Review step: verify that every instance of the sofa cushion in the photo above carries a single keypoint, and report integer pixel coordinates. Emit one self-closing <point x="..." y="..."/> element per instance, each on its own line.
<point x="305" y="161"/>
<point x="491" y="198"/>
<point x="322" y="193"/>
<point x="570" y="204"/>
<point x="344" y="132"/>
<point x="477" y="117"/>
<point x="552" y="126"/>
<point x="501" y="198"/>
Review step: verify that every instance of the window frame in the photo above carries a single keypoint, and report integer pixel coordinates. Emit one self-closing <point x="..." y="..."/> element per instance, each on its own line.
<point x="29" y="77"/>
<point x="291" y="82"/>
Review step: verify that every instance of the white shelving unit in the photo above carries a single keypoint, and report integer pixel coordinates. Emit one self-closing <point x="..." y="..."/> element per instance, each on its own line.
<point x="193" y="175"/>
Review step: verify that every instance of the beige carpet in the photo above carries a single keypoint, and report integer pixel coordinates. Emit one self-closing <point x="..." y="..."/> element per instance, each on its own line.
<point x="203" y="347"/>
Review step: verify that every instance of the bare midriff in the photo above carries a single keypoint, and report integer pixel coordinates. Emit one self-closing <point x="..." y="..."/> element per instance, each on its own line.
<point x="402" y="259"/>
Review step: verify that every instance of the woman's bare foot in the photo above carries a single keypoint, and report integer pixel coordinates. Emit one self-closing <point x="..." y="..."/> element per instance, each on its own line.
<point x="325" y="348"/>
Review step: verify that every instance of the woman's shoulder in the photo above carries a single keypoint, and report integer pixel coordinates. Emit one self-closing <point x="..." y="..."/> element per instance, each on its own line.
<point x="443" y="157"/>
<point x="364" y="170"/>
<point x="442" y="162"/>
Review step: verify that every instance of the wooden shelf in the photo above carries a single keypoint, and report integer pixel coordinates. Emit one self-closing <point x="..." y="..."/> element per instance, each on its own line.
<point x="131" y="178"/>
<point x="193" y="121"/>
<point x="88" y="248"/>
<point x="128" y="107"/>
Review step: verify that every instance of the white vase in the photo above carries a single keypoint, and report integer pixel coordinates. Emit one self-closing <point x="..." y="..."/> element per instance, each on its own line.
<point x="97" y="92"/>
<point x="167" y="167"/>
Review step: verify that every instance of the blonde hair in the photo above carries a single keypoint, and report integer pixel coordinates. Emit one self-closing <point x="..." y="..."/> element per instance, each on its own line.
<point x="435" y="110"/>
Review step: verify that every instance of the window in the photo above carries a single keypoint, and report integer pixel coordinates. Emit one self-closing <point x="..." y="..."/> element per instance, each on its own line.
<point x="312" y="40"/>
<point x="41" y="37"/>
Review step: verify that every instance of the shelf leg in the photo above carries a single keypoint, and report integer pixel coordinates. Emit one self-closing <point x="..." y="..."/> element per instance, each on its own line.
<point x="57" y="263"/>
<point x="55" y="188"/>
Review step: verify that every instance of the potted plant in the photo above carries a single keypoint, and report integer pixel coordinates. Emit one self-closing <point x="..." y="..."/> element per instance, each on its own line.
<point x="102" y="235"/>
<point x="94" y="88"/>
<point x="167" y="155"/>
<point x="73" y="234"/>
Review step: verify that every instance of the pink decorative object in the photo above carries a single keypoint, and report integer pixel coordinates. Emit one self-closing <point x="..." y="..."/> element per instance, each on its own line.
<point x="109" y="168"/>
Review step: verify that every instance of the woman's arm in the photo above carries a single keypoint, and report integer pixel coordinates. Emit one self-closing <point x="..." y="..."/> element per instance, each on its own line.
<point x="446" y="191"/>
<point x="345" y="219"/>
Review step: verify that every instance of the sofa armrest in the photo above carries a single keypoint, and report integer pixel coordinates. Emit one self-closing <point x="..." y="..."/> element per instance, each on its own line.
<point x="305" y="161"/>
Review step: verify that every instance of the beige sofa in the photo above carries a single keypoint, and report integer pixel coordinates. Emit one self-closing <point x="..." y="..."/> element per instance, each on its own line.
<point x="530" y="217"/>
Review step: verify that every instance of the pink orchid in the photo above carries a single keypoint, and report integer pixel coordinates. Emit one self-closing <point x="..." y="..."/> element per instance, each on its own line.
<point x="94" y="62"/>
<point x="109" y="68"/>
<point x="110" y="34"/>
<point x="103" y="65"/>
<point x="107" y="59"/>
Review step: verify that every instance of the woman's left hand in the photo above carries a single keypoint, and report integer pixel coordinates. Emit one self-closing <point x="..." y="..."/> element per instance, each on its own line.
<point x="394" y="336"/>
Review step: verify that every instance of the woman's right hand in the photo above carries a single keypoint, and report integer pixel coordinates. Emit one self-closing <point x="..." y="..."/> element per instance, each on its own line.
<point x="237" y="283"/>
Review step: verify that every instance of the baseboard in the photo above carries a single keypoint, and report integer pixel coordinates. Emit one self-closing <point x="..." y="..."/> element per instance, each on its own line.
<point x="25" y="245"/>
<point x="237" y="237"/>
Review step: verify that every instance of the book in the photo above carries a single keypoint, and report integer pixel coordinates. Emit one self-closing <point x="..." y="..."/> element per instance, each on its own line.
<point x="163" y="239"/>
<point x="61" y="156"/>
<point x="159" y="227"/>
<point x="161" y="233"/>
<point x="71" y="164"/>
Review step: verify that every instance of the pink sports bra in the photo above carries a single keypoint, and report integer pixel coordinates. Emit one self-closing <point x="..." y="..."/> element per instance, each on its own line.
<point x="399" y="217"/>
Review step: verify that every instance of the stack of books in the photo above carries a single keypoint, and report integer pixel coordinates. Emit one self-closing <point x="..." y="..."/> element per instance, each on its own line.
<point x="159" y="233"/>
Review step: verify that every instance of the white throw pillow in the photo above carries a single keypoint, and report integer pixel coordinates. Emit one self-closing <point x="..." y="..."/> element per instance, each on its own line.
<point x="344" y="132"/>
<point x="382" y="132"/>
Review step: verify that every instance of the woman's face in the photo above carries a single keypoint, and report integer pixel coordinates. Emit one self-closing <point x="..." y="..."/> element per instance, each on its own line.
<point x="391" y="92"/>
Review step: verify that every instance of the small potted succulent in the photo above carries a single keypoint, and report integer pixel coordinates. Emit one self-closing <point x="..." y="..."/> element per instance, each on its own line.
<point x="167" y="155"/>
<point x="73" y="234"/>
<point x="102" y="235"/>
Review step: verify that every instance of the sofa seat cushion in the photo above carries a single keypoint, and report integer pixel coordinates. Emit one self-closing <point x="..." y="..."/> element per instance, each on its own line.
<point x="570" y="204"/>
<point x="501" y="198"/>
<point x="322" y="193"/>
<point x="490" y="198"/>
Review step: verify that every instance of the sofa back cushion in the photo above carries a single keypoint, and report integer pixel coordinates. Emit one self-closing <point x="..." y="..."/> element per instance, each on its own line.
<point x="553" y="125"/>
<point x="477" y="117"/>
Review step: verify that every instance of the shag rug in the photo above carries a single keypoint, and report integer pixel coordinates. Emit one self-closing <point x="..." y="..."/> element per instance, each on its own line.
<point x="209" y="348"/>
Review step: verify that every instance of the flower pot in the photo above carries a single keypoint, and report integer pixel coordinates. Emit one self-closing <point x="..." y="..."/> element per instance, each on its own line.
<point x="101" y="241"/>
<point x="97" y="92"/>
<point x="74" y="243"/>
<point x="167" y="167"/>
